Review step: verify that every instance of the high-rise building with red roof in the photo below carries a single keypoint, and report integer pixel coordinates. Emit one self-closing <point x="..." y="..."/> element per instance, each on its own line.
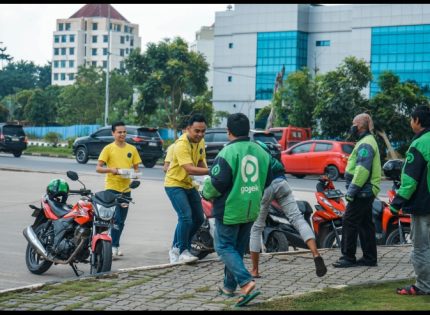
<point x="85" y="38"/>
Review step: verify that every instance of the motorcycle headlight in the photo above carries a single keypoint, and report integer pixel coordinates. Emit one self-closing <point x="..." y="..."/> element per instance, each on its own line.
<point x="105" y="213"/>
<point x="339" y="213"/>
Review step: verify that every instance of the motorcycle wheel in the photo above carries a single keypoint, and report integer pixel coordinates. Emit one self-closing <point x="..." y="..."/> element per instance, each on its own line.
<point x="330" y="240"/>
<point x="276" y="242"/>
<point x="394" y="237"/>
<point x="196" y="245"/>
<point x="35" y="263"/>
<point x="102" y="260"/>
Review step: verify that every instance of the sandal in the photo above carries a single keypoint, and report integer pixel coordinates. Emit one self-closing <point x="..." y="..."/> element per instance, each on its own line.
<point x="411" y="290"/>
<point x="224" y="292"/>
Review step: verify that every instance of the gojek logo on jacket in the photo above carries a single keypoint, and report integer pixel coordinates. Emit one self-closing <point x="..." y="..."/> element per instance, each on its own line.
<point x="249" y="173"/>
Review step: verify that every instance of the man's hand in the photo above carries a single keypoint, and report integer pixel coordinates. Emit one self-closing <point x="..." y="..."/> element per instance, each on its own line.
<point x="349" y="198"/>
<point x="394" y="210"/>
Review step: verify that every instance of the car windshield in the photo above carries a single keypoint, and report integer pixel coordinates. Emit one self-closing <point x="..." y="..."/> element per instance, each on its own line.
<point x="278" y="134"/>
<point x="147" y="133"/>
<point x="265" y="138"/>
<point x="13" y="131"/>
<point x="347" y="148"/>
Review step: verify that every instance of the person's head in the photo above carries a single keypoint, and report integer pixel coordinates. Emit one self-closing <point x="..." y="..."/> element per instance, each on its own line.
<point x="118" y="131"/>
<point x="183" y="126"/>
<point x="362" y="123"/>
<point x="420" y="118"/>
<point x="237" y="126"/>
<point x="196" y="128"/>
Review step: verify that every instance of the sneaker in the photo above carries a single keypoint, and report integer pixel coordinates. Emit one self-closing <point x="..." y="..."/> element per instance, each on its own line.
<point x="187" y="257"/>
<point x="174" y="255"/>
<point x="116" y="252"/>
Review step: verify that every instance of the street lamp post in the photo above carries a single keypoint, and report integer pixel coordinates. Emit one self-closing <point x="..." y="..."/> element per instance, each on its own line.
<point x="107" y="71"/>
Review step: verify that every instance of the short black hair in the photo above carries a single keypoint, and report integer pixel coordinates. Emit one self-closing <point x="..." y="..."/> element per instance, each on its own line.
<point x="183" y="124"/>
<point x="422" y="112"/>
<point x="118" y="123"/>
<point x="196" y="118"/>
<point x="238" y="125"/>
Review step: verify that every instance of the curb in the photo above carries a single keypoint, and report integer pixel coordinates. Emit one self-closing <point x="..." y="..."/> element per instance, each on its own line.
<point x="49" y="155"/>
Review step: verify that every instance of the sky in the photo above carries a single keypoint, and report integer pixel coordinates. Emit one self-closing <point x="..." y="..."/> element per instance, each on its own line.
<point x="27" y="29"/>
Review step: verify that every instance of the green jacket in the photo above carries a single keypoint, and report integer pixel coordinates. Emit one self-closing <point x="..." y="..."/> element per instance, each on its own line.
<point x="238" y="176"/>
<point x="413" y="195"/>
<point x="363" y="170"/>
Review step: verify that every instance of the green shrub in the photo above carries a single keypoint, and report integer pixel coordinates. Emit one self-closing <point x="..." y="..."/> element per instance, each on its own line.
<point x="70" y="142"/>
<point x="53" y="138"/>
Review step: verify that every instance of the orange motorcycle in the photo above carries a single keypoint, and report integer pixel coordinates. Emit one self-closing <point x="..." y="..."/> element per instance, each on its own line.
<point x="71" y="234"/>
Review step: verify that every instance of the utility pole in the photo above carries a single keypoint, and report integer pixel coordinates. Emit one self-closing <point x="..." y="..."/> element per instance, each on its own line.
<point x="107" y="71"/>
<point x="278" y="82"/>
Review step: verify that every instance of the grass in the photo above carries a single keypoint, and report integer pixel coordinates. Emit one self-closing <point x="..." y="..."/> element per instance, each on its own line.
<point x="364" y="297"/>
<point x="49" y="150"/>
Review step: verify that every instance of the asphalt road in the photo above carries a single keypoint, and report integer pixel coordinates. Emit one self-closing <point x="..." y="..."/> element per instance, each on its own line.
<point x="149" y="226"/>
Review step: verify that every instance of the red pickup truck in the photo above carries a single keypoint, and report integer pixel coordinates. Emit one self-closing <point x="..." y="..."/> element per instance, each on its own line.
<point x="289" y="136"/>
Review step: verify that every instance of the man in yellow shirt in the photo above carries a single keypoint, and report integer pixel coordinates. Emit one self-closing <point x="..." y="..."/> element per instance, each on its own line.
<point x="169" y="151"/>
<point x="118" y="156"/>
<point x="188" y="159"/>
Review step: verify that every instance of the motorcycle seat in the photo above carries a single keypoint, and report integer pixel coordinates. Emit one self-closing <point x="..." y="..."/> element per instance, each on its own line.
<point x="304" y="207"/>
<point x="60" y="209"/>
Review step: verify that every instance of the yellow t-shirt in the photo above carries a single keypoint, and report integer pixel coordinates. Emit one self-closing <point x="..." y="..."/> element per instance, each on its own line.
<point x="184" y="152"/>
<point x="169" y="153"/>
<point x="116" y="157"/>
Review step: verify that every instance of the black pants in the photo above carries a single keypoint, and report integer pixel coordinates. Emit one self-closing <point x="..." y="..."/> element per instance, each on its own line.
<point x="357" y="220"/>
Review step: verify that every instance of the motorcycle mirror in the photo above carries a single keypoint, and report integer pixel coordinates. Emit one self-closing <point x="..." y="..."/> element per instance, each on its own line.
<point x="72" y="175"/>
<point x="134" y="184"/>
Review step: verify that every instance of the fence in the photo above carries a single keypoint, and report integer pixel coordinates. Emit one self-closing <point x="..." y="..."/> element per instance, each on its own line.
<point x="80" y="131"/>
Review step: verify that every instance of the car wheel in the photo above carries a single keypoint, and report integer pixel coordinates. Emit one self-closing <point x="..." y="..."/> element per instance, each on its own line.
<point x="149" y="164"/>
<point x="332" y="172"/>
<point x="17" y="153"/>
<point x="299" y="175"/>
<point x="82" y="155"/>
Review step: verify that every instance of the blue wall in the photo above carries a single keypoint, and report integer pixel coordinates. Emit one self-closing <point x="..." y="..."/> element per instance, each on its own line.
<point x="81" y="131"/>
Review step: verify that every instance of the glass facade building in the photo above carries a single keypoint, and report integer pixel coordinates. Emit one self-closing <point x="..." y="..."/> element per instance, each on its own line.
<point x="274" y="50"/>
<point x="405" y="50"/>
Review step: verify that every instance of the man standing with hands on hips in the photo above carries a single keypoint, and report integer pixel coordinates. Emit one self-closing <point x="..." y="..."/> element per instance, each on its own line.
<point x="119" y="157"/>
<point x="363" y="177"/>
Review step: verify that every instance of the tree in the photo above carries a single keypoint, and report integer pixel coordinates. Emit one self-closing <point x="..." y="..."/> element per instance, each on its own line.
<point x="17" y="76"/>
<point x="44" y="76"/>
<point x="167" y="74"/>
<point x="300" y="98"/>
<point x="83" y="102"/>
<point x="391" y="108"/>
<point x="4" y="113"/>
<point x="340" y="97"/>
<point x="42" y="106"/>
<point x="4" y="56"/>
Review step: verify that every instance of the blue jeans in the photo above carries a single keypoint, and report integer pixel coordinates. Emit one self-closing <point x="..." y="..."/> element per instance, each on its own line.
<point x="188" y="206"/>
<point x="230" y="245"/>
<point x="118" y="220"/>
<point x="420" y="254"/>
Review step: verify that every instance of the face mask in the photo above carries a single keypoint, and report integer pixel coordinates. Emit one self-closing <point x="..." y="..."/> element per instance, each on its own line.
<point x="353" y="133"/>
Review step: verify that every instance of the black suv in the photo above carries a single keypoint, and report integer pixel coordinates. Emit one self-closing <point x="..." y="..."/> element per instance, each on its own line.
<point x="146" y="140"/>
<point x="12" y="139"/>
<point x="216" y="139"/>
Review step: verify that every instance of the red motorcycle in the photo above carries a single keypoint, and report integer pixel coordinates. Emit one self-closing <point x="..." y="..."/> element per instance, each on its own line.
<point x="391" y="229"/>
<point x="327" y="219"/>
<point x="70" y="234"/>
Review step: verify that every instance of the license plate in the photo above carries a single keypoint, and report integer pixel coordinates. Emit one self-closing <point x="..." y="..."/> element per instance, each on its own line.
<point x="152" y="144"/>
<point x="15" y="139"/>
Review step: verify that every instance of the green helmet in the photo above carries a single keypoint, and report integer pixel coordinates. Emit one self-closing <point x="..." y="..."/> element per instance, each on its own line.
<point x="58" y="190"/>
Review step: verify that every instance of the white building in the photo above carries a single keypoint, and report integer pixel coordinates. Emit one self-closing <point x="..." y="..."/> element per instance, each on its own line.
<point x="253" y="42"/>
<point x="83" y="39"/>
<point x="204" y="44"/>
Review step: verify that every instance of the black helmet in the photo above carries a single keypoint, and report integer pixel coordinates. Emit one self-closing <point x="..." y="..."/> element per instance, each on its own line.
<point x="58" y="190"/>
<point x="392" y="169"/>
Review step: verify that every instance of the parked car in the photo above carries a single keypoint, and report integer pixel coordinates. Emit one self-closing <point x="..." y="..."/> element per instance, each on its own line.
<point x="316" y="157"/>
<point x="289" y="136"/>
<point x="147" y="141"/>
<point x="216" y="139"/>
<point x="12" y="139"/>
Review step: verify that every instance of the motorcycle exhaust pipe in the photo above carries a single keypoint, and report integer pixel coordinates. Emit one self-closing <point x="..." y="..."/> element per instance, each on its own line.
<point x="34" y="242"/>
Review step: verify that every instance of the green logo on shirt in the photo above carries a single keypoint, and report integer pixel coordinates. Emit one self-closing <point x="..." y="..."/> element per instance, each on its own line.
<point x="215" y="170"/>
<point x="409" y="157"/>
<point x="363" y="153"/>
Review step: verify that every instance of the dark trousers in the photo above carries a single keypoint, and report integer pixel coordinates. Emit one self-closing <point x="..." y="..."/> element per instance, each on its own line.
<point x="357" y="220"/>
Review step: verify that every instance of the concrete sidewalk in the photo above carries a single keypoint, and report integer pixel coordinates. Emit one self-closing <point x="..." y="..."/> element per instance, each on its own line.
<point x="194" y="287"/>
